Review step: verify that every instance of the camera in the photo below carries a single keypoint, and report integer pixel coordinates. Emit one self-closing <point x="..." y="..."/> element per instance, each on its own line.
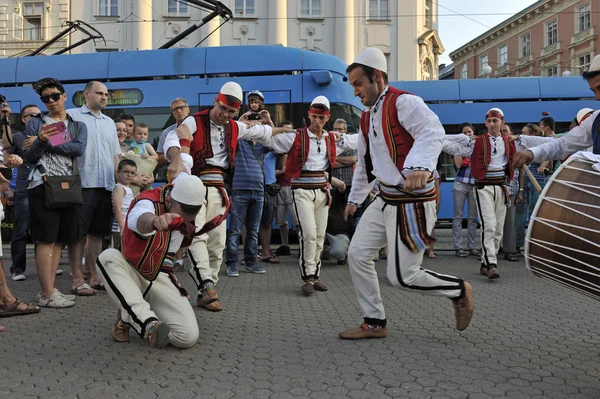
<point x="254" y="116"/>
<point x="2" y="101"/>
<point x="273" y="189"/>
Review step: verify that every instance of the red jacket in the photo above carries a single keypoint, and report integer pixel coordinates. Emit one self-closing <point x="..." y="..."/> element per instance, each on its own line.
<point x="298" y="154"/>
<point x="482" y="156"/>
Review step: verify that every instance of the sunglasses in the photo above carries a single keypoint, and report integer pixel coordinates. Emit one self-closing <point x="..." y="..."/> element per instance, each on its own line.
<point x="180" y="108"/>
<point x="53" y="96"/>
<point x="32" y="114"/>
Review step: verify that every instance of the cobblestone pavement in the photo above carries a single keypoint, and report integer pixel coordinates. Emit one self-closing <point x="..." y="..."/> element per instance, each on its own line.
<point x="528" y="339"/>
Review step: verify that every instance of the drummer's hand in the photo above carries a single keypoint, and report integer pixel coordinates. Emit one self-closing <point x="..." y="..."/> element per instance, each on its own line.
<point x="521" y="158"/>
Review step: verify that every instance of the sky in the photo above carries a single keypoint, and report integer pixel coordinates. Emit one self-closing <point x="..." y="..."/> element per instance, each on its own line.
<point x="477" y="17"/>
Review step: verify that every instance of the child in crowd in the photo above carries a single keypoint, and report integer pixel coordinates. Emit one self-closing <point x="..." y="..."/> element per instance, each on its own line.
<point x="139" y="145"/>
<point x="256" y="102"/>
<point x="122" y="197"/>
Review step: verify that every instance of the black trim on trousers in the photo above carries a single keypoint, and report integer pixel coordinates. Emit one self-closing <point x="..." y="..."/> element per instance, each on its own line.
<point x="123" y="302"/>
<point x="302" y="259"/>
<point x="460" y="282"/>
<point x="484" y="254"/>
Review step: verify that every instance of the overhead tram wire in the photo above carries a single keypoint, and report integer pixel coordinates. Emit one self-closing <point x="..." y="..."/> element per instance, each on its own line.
<point x="214" y="30"/>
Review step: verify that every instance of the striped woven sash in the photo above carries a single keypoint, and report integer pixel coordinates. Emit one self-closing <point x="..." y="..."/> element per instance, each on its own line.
<point x="310" y="180"/>
<point x="212" y="177"/>
<point x="493" y="178"/>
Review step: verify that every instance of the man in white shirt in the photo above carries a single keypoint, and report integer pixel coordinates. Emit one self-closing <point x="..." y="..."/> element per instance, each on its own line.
<point x="140" y="281"/>
<point x="399" y="144"/>
<point x="205" y="145"/>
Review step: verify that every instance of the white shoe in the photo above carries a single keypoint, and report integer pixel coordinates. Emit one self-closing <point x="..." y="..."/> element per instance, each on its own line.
<point x="18" y="277"/>
<point x="68" y="297"/>
<point x="58" y="272"/>
<point x="55" y="301"/>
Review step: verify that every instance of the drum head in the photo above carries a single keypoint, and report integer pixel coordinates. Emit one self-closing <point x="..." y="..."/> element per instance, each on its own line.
<point x="563" y="237"/>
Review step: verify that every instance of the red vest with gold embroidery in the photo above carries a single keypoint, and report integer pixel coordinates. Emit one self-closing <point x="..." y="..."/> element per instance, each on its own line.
<point x="398" y="140"/>
<point x="298" y="154"/>
<point x="482" y="156"/>
<point x="147" y="254"/>
<point x="201" y="148"/>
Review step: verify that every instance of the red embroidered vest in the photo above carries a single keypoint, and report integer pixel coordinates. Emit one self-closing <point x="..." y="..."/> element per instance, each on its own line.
<point x="298" y="154"/>
<point x="201" y="148"/>
<point x="482" y="156"/>
<point x="147" y="254"/>
<point x="398" y="140"/>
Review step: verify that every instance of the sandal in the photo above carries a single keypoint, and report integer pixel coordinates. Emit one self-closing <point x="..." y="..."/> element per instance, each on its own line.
<point x="83" y="290"/>
<point x="475" y="252"/>
<point x="2" y="328"/>
<point x="271" y="259"/>
<point x="13" y="309"/>
<point x="461" y="253"/>
<point x="431" y="255"/>
<point x="511" y="256"/>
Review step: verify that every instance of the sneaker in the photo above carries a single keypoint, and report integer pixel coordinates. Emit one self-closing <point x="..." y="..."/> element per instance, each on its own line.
<point x="120" y="331"/>
<point x="66" y="296"/>
<point x="55" y="301"/>
<point x="319" y="286"/>
<point x="463" y="308"/>
<point x="342" y="261"/>
<point x="483" y="270"/>
<point x="365" y="331"/>
<point x="308" y="288"/>
<point x="475" y="252"/>
<point x="207" y="295"/>
<point x="325" y="255"/>
<point x="492" y="273"/>
<point x="283" y="250"/>
<point x="232" y="271"/>
<point x="59" y="272"/>
<point x="18" y="276"/>
<point x="157" y="333"/>
<point x="255" y="268"/>
<point x="461" y="253"/>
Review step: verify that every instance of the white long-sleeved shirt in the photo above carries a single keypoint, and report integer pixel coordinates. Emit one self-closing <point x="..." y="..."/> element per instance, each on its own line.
<point x="580" y="138"/>
<point x="260" y="133"/>
<point x="420" y="122"/>
<point x="463" y="145"/>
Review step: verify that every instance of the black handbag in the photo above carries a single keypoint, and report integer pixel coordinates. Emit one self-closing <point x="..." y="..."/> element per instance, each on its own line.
<point x="62" y="191"/>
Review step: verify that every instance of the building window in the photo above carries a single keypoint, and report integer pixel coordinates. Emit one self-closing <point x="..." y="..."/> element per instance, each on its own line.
<point x="483" y="60"/>
<point x="526" y="45"/>
<point x="108" y="8"/>
<point x="378" y="9"/>
<point x="463" y="73"/>
<point x="244" y="7"/>
<point x="310" y="8"/>
<point x="17" y="26"/>
<point x="552" y="71"/>
<point x="552" y="32"/>
<point x="583" y="62"/>
<point x="177" y="8"/>
<point x="583" y="17"/>
<point x="32" y="23"/>
<point x="503" y="55"/>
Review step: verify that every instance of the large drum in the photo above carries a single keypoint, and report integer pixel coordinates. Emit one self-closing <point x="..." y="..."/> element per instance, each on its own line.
<point x="563" y="238"/>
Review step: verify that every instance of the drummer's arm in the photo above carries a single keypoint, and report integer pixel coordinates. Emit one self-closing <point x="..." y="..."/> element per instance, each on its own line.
<point x="577" y="139"/>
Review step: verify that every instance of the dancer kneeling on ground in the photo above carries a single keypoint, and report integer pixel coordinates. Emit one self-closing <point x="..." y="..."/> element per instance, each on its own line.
<point x="140" y="280"/>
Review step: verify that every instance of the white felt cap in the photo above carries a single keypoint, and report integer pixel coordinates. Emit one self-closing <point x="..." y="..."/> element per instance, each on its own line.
<point x="188" y="190"/>
<point x="372" y="57"/>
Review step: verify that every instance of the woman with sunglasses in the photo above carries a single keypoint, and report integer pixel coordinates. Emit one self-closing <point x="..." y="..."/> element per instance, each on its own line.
<point x="52" y="228"/>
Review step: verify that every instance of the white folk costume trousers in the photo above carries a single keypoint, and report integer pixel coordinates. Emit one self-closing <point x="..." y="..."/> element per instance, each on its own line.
<point x="206" y="250"/>
<point x="491" y="207"/>
<point x="311" y="210"/>
<point x="378" y="226"/>
<point x="140" y="305"/>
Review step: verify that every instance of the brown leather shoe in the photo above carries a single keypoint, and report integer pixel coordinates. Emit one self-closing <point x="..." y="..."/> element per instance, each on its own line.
<point x="213" y="306"/>
<point x="492" y="273"/>
<point x="120" y="331"/>
<point x="308" y="288"/>
<point x="483" y="270"/>
<point x="208" y="296"/>
<point x="364" y="331"/>
<point x="463" y="308"/>
<point x="159" y="335"/>
<point x="319" y="286"/>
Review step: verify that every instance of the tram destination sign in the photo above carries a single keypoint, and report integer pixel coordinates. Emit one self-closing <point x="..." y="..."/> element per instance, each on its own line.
<point x="116" y="97"/>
